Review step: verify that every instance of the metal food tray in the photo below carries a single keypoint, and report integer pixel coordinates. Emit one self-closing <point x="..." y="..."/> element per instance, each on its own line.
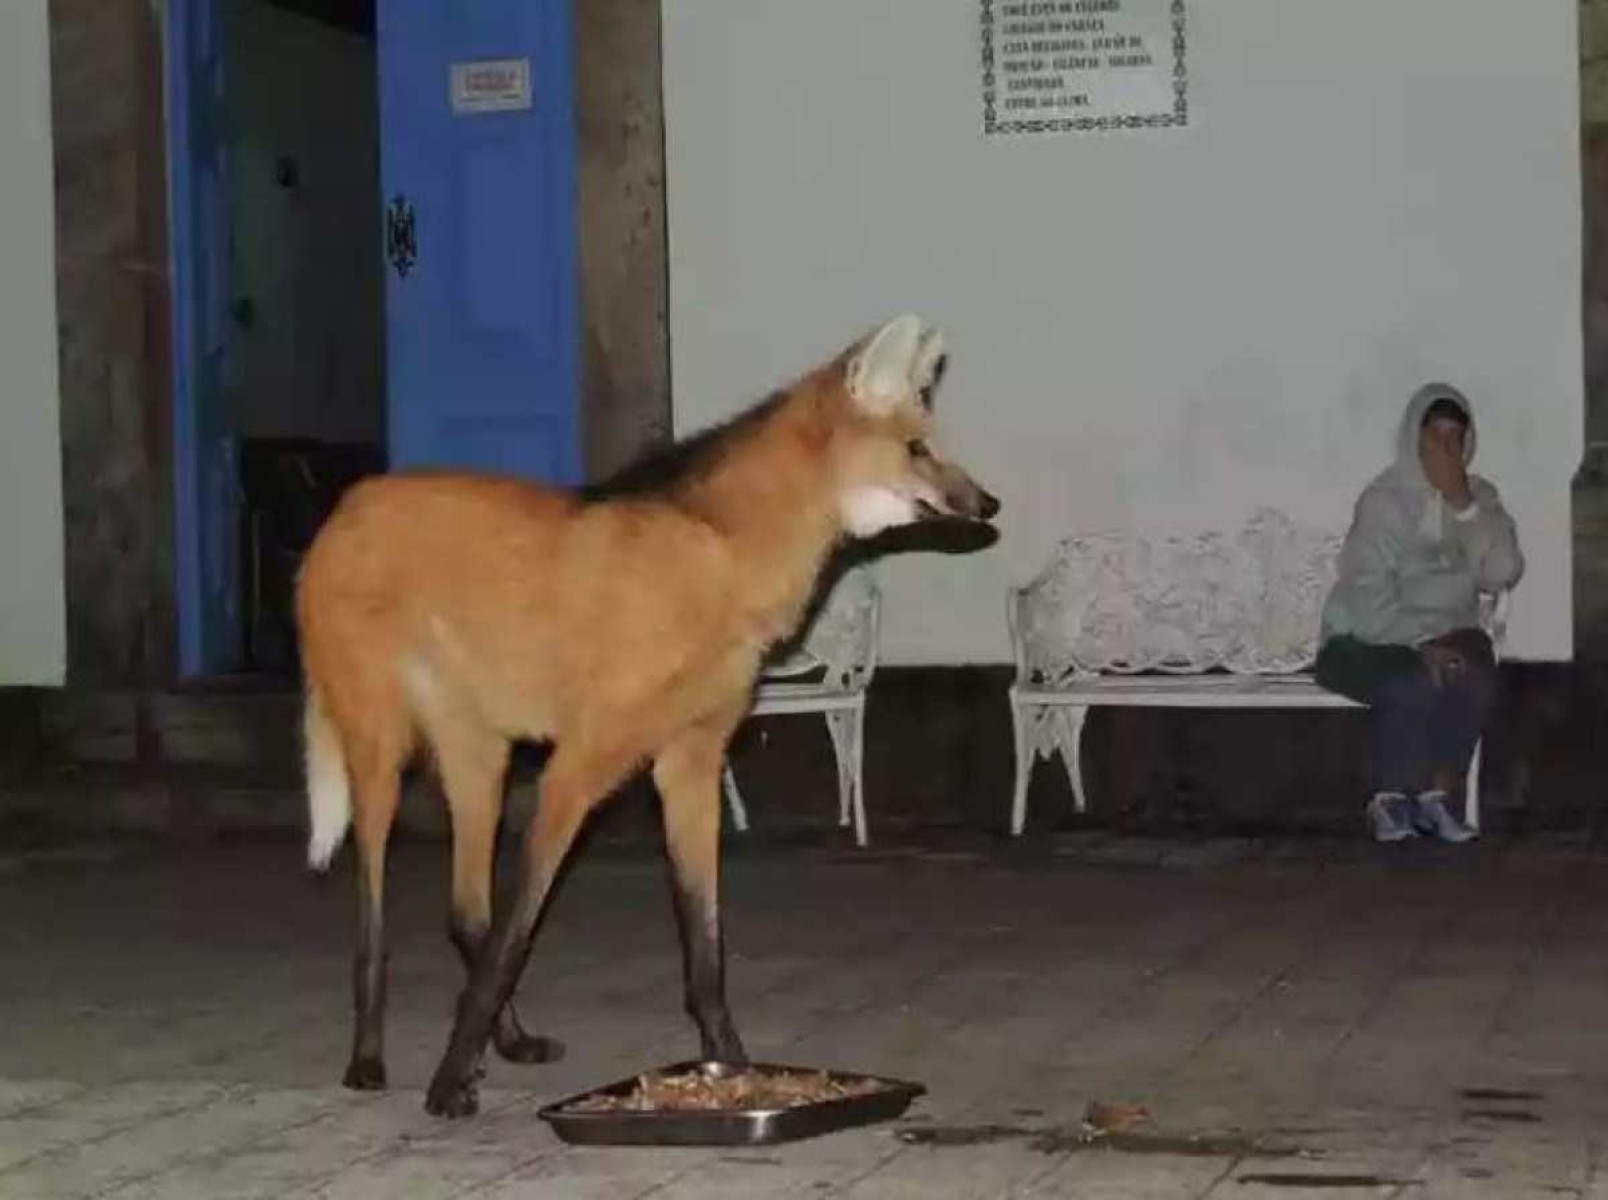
<point x="727" y="1127"/>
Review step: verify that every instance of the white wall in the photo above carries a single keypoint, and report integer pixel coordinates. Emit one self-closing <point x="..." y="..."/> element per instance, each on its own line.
<point x="33" y="633"/>
<point x="1157" y="329"/>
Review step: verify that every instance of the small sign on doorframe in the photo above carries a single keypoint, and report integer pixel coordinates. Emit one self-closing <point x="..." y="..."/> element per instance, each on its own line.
<point x="491" y="85"/>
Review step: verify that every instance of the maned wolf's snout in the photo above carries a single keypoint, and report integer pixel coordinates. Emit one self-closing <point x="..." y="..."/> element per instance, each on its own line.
<point x="965" y="499"/>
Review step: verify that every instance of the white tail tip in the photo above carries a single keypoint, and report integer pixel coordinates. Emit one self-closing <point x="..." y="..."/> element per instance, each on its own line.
<point x="327" y="834"/>
<point x="329" y="798"/>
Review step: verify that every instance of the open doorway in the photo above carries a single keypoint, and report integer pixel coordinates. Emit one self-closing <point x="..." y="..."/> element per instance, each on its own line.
<point x="307" y="316"/>
<point x="320" y="335"/>
<point x="279" y="321"/>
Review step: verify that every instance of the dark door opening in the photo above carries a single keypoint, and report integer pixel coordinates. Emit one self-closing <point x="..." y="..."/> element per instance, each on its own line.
<point x="374" y="253"/>
<point x="307" y="314"/>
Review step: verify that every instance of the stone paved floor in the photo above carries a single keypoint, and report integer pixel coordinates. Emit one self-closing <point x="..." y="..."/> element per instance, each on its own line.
<point x="1301" y="1018"/>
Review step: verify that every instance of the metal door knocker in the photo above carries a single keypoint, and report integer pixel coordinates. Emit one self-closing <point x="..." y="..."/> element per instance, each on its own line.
<point x="401" y="236"/>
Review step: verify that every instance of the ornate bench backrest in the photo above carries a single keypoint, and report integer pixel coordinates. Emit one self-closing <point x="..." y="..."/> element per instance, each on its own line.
<point x="841" y="640"/>
<point x="1120" y="603"/>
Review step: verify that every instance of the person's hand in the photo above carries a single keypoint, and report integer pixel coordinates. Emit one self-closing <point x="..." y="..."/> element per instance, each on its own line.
<point x="1441" y="452"/>
<point x="1444" y="662"/>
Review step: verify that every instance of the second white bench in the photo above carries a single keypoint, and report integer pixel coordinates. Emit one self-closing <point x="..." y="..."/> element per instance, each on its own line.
<point x="1207" y="620"/>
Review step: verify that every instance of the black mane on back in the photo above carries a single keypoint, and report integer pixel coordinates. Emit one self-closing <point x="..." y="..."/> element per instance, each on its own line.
<point x="660" y="470"/>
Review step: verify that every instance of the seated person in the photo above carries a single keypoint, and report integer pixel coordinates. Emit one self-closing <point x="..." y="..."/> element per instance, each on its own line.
<point x="1400" y="628"/>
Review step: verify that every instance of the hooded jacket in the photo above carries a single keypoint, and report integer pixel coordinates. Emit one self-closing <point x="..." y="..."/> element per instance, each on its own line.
<point x="1411" y="568"/>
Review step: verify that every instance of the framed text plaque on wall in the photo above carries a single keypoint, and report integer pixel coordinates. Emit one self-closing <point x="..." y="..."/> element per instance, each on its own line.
<point x="1083" y="66"/>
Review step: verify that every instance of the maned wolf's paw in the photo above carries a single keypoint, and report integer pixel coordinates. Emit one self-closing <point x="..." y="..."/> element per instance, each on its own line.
<point x="365" y="1075"/>
<point x="451" y="1099"/>
<point x="528" y="1048"/>
<point x="724" y="1046"/>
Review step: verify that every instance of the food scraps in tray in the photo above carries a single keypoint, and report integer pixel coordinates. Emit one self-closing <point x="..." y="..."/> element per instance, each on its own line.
<point x="701" y="1090"/>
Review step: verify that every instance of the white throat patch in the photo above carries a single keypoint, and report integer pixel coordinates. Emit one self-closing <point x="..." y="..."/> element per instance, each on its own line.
<point x="870" y="510"/>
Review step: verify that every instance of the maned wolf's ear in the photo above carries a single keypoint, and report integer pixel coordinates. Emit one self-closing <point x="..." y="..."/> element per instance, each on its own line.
<point x="883" y="372"/>
<point x="931" y="359"/>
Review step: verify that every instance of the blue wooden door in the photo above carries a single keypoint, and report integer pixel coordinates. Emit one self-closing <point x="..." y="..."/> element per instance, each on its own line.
<point x="206" y="495"/>
<point x="477" y="147"/>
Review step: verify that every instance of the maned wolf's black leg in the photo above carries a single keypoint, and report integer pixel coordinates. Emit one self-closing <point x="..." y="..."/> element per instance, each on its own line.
<point x="366" y="1071"/>
<point x="452" y="1088"/>
<point x="688" y="778"/>
<point x="507" y="1034"/>
<point x="473" y="762"/>
<point x="704" y="962"/>
<point x="492" y="978"/>
<point x="569" y="788"/>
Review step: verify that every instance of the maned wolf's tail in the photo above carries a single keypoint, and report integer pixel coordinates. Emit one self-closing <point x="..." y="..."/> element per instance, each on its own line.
<point x="329" y="791"/>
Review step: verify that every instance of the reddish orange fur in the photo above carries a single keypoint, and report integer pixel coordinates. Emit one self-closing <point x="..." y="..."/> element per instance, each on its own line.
<point x="455" y="612"/>
<point x="538" y="616"/>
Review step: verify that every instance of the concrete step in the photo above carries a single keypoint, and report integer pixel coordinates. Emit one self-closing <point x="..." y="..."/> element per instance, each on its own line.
<point x="239" y="727"/>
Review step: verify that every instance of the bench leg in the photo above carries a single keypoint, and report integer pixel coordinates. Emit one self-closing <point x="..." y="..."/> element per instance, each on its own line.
<point x="1022" y="732"/>
<point x="847" y="725"/>
<point x="1471" y="790"/>
<point x="734" y="799"/>
<point x="1069" y="741"/>
<point x="862" y="835"/>
<point x="834" y="726"/>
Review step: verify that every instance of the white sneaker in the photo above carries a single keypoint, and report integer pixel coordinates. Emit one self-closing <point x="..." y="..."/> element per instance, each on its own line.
<point x="1390" y="817"/>
<point x="1430" y="816"/>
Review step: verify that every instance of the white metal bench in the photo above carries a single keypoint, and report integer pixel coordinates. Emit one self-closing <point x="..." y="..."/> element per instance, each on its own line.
<point x="1201" y="621"/>
<point x="829" y="673"/>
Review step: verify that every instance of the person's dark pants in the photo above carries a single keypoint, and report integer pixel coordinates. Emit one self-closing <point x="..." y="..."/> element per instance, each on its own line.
<point x="1423" y="732"/>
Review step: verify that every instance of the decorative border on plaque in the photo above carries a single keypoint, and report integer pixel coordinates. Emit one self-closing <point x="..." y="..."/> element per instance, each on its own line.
<point x="1175" y="117"/>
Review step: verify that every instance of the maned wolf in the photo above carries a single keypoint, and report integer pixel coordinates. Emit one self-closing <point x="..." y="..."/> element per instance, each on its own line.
<point x="456" y="613"/>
